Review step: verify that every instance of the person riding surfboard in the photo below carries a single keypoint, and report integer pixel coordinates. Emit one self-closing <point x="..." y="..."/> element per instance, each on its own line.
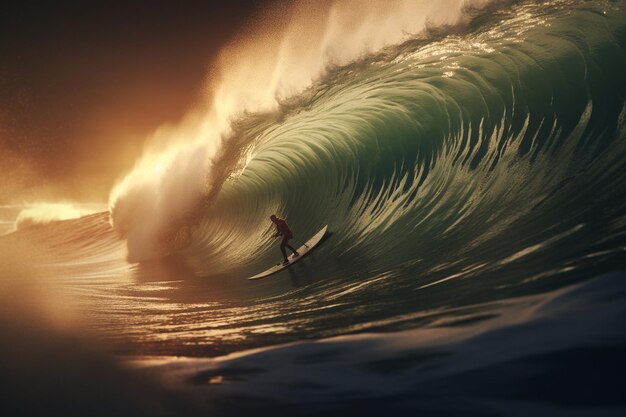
<point x="283" y="229"/>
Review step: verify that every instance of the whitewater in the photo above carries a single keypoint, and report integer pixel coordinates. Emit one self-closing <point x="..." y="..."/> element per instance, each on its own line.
<point x="473" y="178"/>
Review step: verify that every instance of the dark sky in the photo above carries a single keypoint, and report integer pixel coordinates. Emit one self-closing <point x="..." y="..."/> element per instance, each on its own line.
<point x="82" y="84"/>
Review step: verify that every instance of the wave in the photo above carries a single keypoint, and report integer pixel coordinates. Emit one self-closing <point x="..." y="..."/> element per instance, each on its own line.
<point x="468" y="175"/>
<point x="471" y="145"/>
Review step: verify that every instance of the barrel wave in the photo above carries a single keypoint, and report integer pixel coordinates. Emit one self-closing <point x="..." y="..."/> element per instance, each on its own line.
<point x="465" y="169"/>
<point x="466" y="163"/>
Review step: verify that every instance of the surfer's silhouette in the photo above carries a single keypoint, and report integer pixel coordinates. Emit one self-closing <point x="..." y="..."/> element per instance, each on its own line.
<point x="283" y="229"/>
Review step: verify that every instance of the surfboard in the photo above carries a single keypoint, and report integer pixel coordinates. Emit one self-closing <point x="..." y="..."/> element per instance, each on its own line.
<point x="302" y="251"/>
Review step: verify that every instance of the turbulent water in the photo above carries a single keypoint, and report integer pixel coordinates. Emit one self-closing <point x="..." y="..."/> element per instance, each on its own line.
<point x="458" y="172"/>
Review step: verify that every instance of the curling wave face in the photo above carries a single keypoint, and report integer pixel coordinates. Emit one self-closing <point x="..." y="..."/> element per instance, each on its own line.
<point x="469" y="155"/>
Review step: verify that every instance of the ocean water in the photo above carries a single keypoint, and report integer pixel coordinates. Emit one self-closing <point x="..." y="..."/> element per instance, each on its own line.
<point x="474" y="184"/>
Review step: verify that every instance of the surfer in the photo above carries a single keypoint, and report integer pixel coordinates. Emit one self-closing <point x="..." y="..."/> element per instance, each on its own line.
<point x="283" y="229"/>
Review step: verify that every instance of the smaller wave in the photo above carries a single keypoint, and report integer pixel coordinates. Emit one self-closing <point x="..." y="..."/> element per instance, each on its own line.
<point x="45" y="213"/>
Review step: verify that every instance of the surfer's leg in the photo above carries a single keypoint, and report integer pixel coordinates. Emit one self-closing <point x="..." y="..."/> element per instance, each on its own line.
<point x="282" y="249"/>
<point x="286" y="243"/>
<point x="295" y="252"/>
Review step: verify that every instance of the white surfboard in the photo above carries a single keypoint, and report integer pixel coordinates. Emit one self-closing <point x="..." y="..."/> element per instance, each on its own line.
<point x="302" y="250"/>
